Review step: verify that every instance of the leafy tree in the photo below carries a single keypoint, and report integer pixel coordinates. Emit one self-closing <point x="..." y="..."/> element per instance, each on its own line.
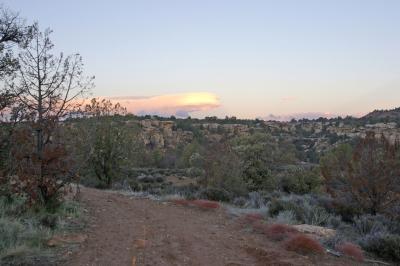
<point x="222" y="169"/>
<point x="261" y="155"/>
<point x="301" y="181"/>
<point x="110" y="141"/>
<point x="369" y="176"/>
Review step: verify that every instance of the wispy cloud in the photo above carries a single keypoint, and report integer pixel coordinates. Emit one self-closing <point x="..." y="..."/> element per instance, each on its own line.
<point x="180" y="105"/>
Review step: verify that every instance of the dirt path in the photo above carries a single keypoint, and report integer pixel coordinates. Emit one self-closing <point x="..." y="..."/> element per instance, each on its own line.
<point x="131" y="231"/>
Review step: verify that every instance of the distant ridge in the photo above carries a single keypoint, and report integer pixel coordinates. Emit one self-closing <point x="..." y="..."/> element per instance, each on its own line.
<point x="384" y="114"/>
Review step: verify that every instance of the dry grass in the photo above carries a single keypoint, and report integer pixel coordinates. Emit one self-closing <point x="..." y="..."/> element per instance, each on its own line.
<point x="251" y="219"/>
<point x="351" y="250"/>
<point x="303" y="244"/>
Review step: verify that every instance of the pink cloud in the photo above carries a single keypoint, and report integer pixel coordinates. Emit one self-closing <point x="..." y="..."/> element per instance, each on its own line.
<point x="180" y="105"/>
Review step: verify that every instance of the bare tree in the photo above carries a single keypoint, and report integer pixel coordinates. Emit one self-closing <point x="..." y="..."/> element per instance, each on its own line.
<point x="368" y="177"/>
<point x="48" y="88"/>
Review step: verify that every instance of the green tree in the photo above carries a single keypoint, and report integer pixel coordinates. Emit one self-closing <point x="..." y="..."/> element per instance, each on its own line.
<point x="261" y="155"/>
<point x="301" y="181"/>
<point x="222" y="169"/>
<point x="110" y="140"/>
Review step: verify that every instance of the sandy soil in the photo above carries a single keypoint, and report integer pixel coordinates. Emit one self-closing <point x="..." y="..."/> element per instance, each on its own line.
<point x="133" y="231"/>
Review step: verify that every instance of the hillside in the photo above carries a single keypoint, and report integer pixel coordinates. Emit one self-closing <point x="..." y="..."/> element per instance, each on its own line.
<point x="384" y="115"/>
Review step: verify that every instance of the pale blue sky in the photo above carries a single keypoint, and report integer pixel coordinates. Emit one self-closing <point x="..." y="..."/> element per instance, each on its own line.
<point x="258" y="57"/>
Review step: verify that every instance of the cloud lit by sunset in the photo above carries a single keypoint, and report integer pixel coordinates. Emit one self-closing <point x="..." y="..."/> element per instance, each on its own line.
<point x="180" y="105"/>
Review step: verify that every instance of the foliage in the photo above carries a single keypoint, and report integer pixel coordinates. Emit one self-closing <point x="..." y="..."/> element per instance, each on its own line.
<point x="315" y="215"/>
<point x="384" y="245"/>
<point x="215" y="194"/>
<point x="278" y="205"/>
<point x="260" y="154"/>
<point x="106" y="144"/>
<point x="369" y="177"/>
<point x="39" y="178"/>
<point x="301" y="181"/>
<point x="223" y="170"/>
<point x="369" y="224"/>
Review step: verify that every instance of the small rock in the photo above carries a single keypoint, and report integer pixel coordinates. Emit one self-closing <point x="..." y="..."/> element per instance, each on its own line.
<point x="318" y="231"/>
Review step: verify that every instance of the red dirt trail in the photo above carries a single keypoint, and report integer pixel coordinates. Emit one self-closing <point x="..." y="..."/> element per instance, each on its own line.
<point x="133" y="231"/>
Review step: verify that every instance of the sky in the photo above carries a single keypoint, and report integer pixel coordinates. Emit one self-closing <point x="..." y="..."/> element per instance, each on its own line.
<point x="228" y="57"/>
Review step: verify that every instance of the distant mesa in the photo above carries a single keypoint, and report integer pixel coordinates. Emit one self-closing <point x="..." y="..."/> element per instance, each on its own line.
<point x="297" y="116"/>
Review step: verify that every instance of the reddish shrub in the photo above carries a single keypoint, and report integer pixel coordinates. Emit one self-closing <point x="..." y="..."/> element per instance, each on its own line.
<point x="250" y="219"/>
<point x="351" y="250"/>
<point x="182" y="202"/>
<point x="205" y="204"/>
<point x="303" y="244"/>
<point x="279" y="231"/>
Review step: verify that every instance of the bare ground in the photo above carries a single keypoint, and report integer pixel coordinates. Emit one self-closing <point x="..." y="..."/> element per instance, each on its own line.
<point x="134" y="231"/>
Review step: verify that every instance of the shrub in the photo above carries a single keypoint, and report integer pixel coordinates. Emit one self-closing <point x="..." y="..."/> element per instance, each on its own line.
<point x="303" y="244"/>
<point x="315" y="215"/>
<point x="369" y="224"/>
<point x="286" y="217"/>
<point x="216" y="194"/>
<point x="278" y="205"/>
<point x="255" y="200"/>
<point x="386" y="246"/>
<point x="301" y="181"/>
<point x="346" y="210"/>
<point x="194" y="172"/>
<point x="205" y="204"/>
<point x="222" y="169"/>
<point x="279" y="232"/>
<point x="239" y="201"/>
<point x="351" y="250"/>
<point x="334" y="221"/>
<point x="9" y="231"/>
<point x="49" y="220"/>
